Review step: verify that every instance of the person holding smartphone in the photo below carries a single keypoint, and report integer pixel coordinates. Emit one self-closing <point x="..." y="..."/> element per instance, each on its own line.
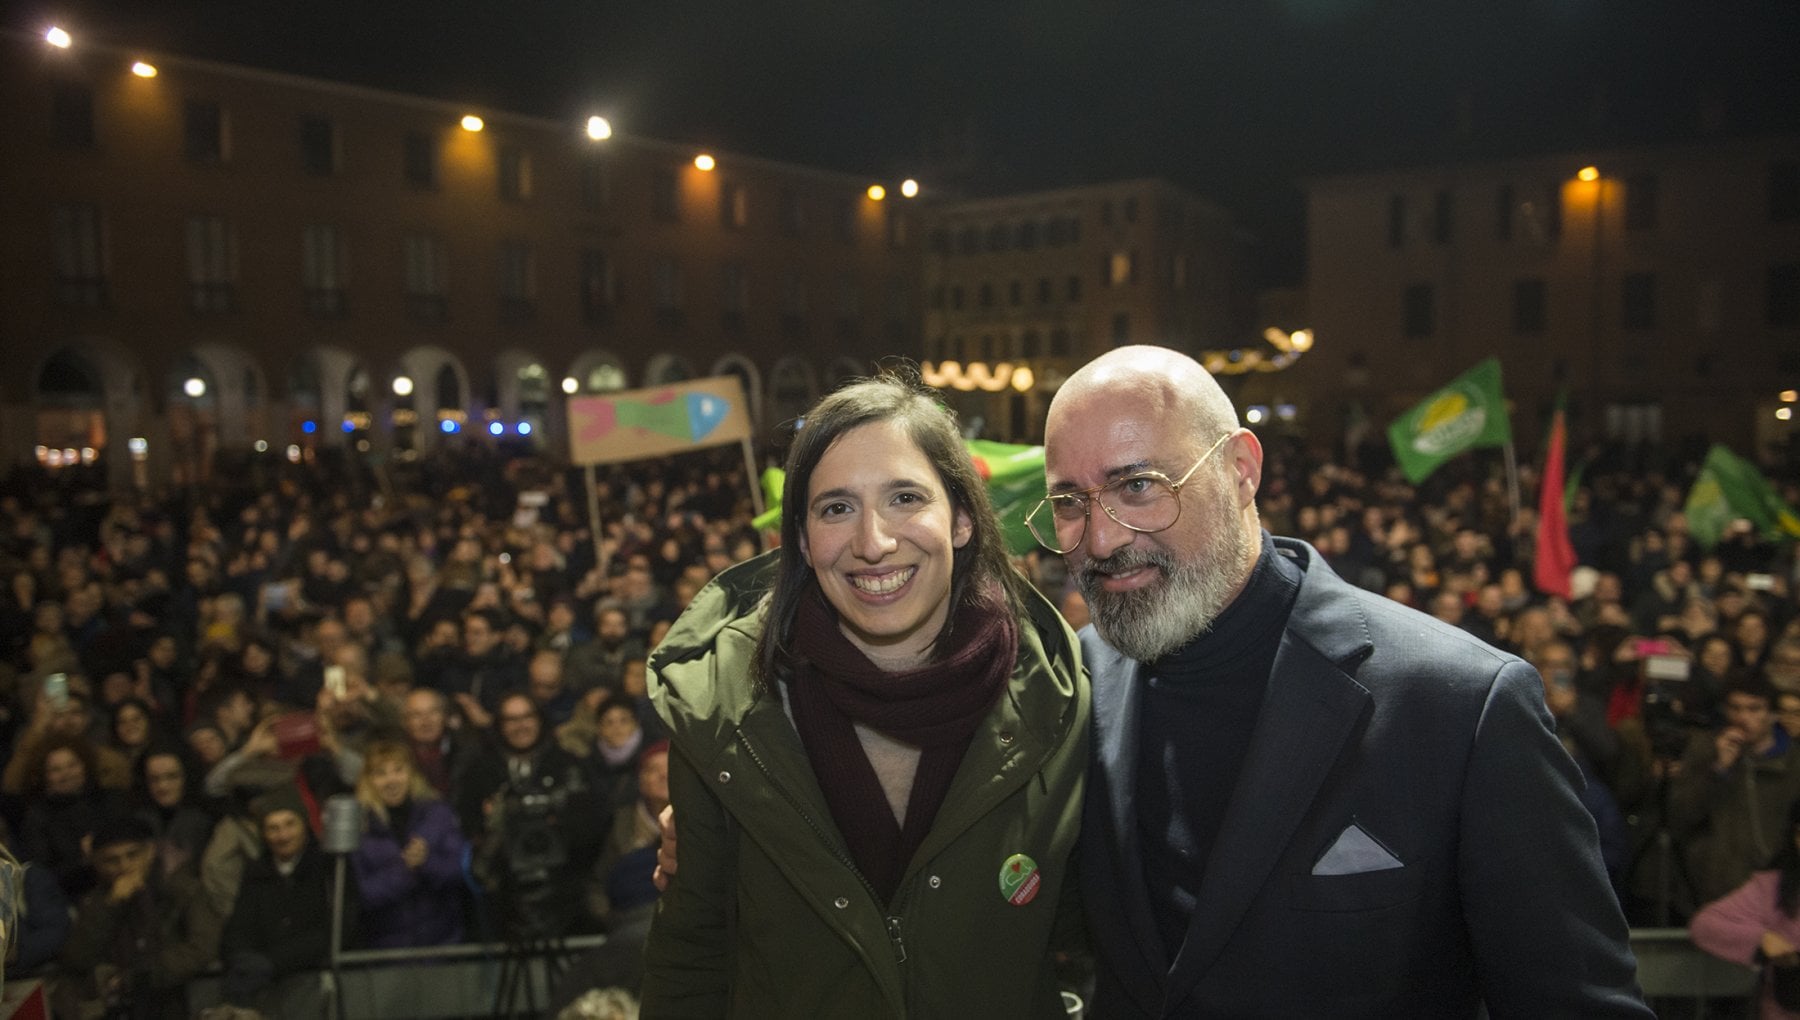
<point x="1729" y="802"/>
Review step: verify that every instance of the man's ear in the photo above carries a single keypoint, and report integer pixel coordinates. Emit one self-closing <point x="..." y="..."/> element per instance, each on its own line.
<point x="1246" y="465"/>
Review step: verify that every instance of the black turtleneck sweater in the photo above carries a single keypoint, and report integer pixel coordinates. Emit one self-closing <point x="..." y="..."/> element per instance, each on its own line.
<point x="1196" y="714"/>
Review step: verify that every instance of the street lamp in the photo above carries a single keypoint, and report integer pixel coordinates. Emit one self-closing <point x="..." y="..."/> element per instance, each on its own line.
<point x="599" y="128"/>
<point x="195" y="387"/>
<point x="403" y="386"/>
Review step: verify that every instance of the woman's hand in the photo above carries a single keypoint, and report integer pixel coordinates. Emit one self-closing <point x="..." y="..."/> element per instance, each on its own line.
<point x="414" y="853"/>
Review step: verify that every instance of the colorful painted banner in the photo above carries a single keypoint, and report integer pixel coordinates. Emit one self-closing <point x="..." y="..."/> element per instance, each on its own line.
<point x="655" y="422"/>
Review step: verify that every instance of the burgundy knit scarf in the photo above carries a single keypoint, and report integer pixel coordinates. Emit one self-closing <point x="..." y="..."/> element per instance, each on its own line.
<point x="935" y="707"/>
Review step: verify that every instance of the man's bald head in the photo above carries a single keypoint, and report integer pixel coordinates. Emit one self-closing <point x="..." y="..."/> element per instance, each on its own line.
<point x="1166" y="382"/>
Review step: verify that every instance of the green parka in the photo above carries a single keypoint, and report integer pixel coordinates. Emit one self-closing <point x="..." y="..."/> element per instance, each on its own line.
<point x="768" y="916"/>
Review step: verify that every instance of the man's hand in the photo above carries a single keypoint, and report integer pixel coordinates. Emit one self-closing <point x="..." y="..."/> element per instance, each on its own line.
<point x="414" y="853"/>
<point x="1728" y="748"/>
<point x="478" y="717"/>
<point x="262" y="743"/>
<point x="127" y="885"/>
<point x="665" y="853"/>
<point x="1779" y="950"/>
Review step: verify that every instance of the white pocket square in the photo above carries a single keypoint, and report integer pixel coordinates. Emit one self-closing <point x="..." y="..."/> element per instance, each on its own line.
<point x="1354" y="853"/>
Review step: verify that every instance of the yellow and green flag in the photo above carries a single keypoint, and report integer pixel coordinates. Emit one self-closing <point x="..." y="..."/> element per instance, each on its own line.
<point x="1730" y="488"/>
<point x="1468" y="413"/>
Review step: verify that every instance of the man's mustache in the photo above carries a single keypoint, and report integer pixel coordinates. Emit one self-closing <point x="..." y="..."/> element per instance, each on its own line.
<point x="1126" y="559"/>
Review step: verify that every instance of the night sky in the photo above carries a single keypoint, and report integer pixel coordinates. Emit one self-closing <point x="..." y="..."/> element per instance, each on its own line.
<point x="1236" y="100"/>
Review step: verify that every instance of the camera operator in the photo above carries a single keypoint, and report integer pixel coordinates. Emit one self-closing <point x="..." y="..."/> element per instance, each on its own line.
<point x="536" y="820"/>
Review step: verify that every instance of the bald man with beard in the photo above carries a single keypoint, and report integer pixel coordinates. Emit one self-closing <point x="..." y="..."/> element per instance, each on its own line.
<point x="1306" y="800"/>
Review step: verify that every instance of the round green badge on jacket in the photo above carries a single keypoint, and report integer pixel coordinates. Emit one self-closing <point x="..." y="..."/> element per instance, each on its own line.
<point x="1020" y="880"/>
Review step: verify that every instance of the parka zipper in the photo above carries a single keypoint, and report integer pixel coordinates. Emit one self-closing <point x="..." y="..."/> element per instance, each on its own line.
<point x="893" y="921"/>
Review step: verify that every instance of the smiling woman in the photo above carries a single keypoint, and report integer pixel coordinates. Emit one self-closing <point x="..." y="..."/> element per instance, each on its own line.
<point x="880" y="736"/>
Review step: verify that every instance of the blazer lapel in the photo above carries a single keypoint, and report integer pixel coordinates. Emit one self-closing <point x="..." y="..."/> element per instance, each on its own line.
<point x="1117" y="682"/>
<point x="1310" y="710"/>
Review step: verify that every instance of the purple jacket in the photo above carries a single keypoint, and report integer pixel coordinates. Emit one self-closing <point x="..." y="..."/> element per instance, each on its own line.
<point x="402" y="906"/>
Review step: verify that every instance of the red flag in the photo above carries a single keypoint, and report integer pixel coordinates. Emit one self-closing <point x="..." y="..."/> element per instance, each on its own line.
<point x="1555" y="555"/>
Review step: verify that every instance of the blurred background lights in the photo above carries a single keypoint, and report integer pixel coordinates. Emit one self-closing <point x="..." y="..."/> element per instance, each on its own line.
<point x="1784" y="413"/>
<point x="349" y="426"/>
<point x="1790" y="396"/>
<point x="909" y="188"/>
<point x="403" y="386"/>
<point x="195" y="387"/>
<point x="570" y="385"/>
<point x="293" y="453"/>
<point x="1256" y="415"/>
<point x="496" y="428"/>
<point x="448" y="427"/>
<point x="262" y="446"/>
<point x="138" y="446"/>
<point x="599" y="128"/>
<point x="309" y="426"/>
<point x="1588" y="173"/>
<point x="877" y="192"/>
<point x="58" y="38"/>
<point x="143" y="70"/>
<point x="524" y="428"/>
<point x="704" y="162"/>
<point x="472" y="123"/>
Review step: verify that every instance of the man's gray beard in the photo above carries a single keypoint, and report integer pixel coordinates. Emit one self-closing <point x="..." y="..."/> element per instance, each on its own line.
<point x="1150" y="622"/>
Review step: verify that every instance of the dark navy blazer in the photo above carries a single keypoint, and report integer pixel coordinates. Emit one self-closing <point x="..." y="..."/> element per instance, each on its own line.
<point x="1441" y="750"/>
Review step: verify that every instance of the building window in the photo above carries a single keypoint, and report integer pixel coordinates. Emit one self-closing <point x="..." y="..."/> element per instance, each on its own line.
<point x="80" y="257"/>
<point x="1504" y="201"/>
<point x="665" y="196"/>
<point x="1074" y="288"/>
<point x="1121" y="268"/>
<point x="794" y="303"/>
<point x="1028" y="235"/>
<point x="849" y="307"/>
<point x="319" y="154"/>
<point x="322" y="270"/>
<point x="793" y="214"/>
<point x="734" y="206"/>
<point x="1131" y="206"/>
<point x="968" y="241"/>
<point x="1057" y="233"/>
<point x="1529" y="306"/>
<point x="1784" y="191"/>
<point x="665" y="290"/>
<point x="426" y="278"/>
<point x="985" y="296"/>
<point x="596" y="184"/>
<point x="203" y="131"/>
<point x="999" y="237"/>
<point x="1443" y="226"/>
<point x="1640" y="202"/>
<point x="734" y="294"/>
<point x="212" y="264"/>
<point x="1044" y="290"/>
<point x="936" y="297"/>
<point x="419" y="160"/>
<point x="846" y="220"/>
<point x="599" y="287"/>
<point x="72" y="116"/>
<point x="1639" y="305"/>
<point x="1783" y="310"/>
<point x="1418" y="310"/>
<point x="1396" y="225"/>
<point x="956" y="297"/>
<point x="1015" y="293"/>
<point x="1121" y="329"/>
<point x="1074" y="230"/>
<point x="515" y="173"/>
<point x="1059" y="343"/>
<point x="518" y="282"/>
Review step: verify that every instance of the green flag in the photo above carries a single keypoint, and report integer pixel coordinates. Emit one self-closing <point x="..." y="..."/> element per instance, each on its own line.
<point x="1014" y="477"/>
<point x="1468" y="413"/>
<point x="1730" y="487"/>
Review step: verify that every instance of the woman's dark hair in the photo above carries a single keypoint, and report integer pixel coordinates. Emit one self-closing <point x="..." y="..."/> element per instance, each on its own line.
<point x="1787" y="861"/>
<point x="977" y="569"/>
<point x="77" y="746"/>
<point x="150" y="721"/>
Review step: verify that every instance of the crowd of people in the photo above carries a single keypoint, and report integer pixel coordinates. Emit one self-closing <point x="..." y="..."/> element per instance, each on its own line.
<point x="193" y="675"/>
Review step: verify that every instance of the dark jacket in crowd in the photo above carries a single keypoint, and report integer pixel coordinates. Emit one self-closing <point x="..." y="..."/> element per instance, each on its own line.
<point x="403" y="906"/>
<point x="284" y="918"/>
